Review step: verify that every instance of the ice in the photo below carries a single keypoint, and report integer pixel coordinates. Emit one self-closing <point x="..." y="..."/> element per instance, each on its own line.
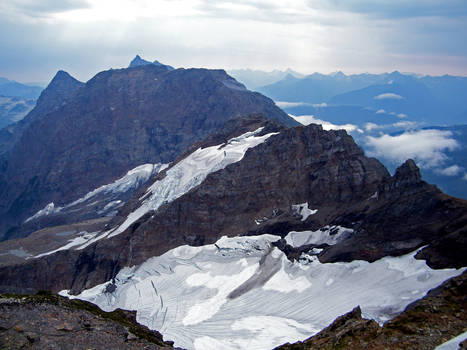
<point x="242" y="293"/>
<point x="453" y="344"/>
<point x="191" y="171"/>
<point x="302" y="209"/>
<point x="133" y="179"/>
<point x="47" y="210"/>
<point x="83" y="238"/>
<point x="327" y="235"/>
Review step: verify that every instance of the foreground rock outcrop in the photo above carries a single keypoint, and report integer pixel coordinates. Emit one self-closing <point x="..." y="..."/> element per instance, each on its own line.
<point x="46" y="321"/>
<point x="425" y="324"/>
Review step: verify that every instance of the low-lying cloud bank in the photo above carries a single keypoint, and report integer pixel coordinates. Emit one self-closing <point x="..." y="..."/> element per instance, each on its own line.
<point x="309" y="119"/>
<point x="426" y="147"/>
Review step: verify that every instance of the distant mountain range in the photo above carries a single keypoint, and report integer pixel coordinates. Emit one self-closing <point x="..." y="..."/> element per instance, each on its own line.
<point x="427" y="100"/>
<point x="253" y="79"/>
<point x="16" y="100"/>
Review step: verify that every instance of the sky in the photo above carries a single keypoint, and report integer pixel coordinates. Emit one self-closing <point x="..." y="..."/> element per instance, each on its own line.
<point x="84" y="37"/>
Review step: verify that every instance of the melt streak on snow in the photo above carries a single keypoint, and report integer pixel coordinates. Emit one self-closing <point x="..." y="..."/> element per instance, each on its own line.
<point x="242" y="293"/>
<point x="191" y="171"/>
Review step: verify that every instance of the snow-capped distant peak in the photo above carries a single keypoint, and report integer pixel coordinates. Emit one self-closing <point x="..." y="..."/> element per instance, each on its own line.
<point x="191" y="171"/>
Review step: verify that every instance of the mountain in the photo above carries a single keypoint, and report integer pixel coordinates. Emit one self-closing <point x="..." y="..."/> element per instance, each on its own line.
<point x="317" y="88"/>
<point x="13" y="109"/>
<point x="62" y="87"/>
<point x="138" y="61"/>
<point x="82" y="136"/>
<point x="254" y="79"/>
<point x="12" y="88"/>
<point x="16" y="101"/>
<point x="258" y="235"/>
<point x="429" y="100"/>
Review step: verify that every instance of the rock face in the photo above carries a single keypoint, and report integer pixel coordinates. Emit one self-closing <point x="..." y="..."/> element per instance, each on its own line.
<point x="426" y="323"/>
<point x="61" y="88"/>
<point x="118" y="120"/>
<point x="53" y="322"/>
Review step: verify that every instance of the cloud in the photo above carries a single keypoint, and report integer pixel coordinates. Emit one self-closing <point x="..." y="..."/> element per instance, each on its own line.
<point x="285" y="104"/>
<point x="309" y="119"/>
<point x="396" y="9"/>
<point x="405" y="125"/>
<point x="452" y="170"/>
<point x="387" y="96"/>
<point x="380" y="111"/>
<point x="43" y="8"/>
<point x="427" y="147"/>
<point x="464" y="177"/>
<point x="402" y="115"/>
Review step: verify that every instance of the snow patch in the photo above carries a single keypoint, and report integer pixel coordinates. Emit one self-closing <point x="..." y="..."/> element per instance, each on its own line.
<point x="133" y="179"/>
<point x="83" y="238"/>
<point x="48" y="209"/>
<point x="454" y="343"/>
<point x="327" y="235"/>
<point x="302" y="209"/>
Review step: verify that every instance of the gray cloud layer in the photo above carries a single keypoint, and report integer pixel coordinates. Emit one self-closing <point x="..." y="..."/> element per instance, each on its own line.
<point x="84" y="37"/>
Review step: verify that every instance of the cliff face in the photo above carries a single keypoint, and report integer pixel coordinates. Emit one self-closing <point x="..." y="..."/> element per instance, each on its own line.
<point x="118" y="120"/>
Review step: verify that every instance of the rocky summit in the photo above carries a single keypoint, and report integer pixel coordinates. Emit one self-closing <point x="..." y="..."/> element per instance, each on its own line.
<point x="82" y="136"/>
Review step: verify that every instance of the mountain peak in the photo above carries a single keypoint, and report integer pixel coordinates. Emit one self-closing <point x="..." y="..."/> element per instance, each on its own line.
<point x="138" y="61"/>
<point x="62" y="76"/>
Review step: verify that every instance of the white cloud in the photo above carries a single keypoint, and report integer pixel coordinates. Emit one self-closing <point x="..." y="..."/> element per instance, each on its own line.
<point x="380" y="111"/>
<point x="402" y="115"/>
<point x="322" y="104"/>
<point x="452" y="170"/>
<point x="405" y="125"/>
<point x="464" y="177"/>
<point x="427" y="147"/>
<point x="309" y="119"/>
<point x="388" y="96"/>
<point x="373" y="126"/>
<point x="285" y="104"/>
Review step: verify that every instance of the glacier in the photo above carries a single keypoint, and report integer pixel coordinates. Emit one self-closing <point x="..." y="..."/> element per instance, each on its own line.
<point x="243" y="292"/>
<point x="130" y="181"/>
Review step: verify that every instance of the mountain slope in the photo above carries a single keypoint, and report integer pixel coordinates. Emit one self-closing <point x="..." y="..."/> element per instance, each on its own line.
<point x="118" y="120"/>
<point x="313" y="229"/>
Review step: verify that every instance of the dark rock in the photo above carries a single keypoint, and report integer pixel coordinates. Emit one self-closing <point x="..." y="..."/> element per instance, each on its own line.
<point x="52" y="322"/>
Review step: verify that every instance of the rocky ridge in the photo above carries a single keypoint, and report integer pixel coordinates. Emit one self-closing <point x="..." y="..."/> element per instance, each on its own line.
<point x="54" y="322"/>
